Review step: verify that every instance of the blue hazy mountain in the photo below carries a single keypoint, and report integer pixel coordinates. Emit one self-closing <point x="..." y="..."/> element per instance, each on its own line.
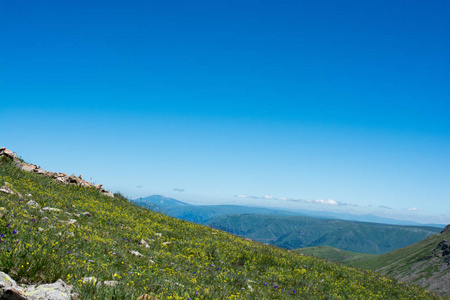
<point x="297" y="228"/>
<point x="203" y="213"/>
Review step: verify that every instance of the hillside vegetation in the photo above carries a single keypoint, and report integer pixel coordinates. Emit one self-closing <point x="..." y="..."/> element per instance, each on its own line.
<point x="299" y="232"/>
<point x="50" y="230"/>
<point x="426" y="263"/>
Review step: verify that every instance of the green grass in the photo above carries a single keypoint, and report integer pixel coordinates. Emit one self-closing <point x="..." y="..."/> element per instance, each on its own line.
<point x="334" y="254"/>
<point x="184" y="260"/>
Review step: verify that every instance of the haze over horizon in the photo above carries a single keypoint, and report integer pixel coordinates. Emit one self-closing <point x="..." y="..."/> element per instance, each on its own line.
<point x="298" y="104"/>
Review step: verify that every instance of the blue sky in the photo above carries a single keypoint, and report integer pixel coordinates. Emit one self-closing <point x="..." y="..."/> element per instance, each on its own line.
<point x="324" y="105"/>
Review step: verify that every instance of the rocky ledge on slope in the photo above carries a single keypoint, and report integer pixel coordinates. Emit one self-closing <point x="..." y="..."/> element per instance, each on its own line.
<point x="58" y="177"/>
<point x="10" y="290"/>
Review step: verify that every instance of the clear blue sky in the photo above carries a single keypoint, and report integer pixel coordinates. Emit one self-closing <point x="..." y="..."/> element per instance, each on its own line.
<point x="325" y="105"/>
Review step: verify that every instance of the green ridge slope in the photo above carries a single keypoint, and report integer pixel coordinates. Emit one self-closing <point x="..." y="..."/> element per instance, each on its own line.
<point x="183" y="260"/>
<point x="333" y="254"/>
<point x="426" y="263"/>
<point x="299" y="232"/>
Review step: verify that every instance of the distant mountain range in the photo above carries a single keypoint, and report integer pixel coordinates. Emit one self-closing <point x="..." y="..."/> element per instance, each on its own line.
<point x="203" y="213"/>
<point x="293" y="229"/>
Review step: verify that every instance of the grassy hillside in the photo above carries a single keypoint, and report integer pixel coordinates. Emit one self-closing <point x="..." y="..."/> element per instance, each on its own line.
<point x="87" y="234"/>
<point x="334" y="254"/>
<point x="299" y="232"/>
<point x="426" y="263"/>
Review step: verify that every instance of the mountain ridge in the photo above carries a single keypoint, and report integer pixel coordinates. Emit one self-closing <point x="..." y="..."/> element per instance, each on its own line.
<point x="291" y="230"/>
<point x="369" y="218"/>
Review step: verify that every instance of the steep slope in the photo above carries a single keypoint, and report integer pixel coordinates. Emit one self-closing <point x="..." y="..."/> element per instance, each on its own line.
<point x="426" y="263"/>
<point x="108" y="248"/>
<point x="299" y="232"/>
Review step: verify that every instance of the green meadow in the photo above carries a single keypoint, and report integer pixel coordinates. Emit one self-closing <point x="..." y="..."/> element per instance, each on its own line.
<point x="86" y="234"/>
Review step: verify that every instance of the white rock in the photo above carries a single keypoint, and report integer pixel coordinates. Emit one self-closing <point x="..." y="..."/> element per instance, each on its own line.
<point x="50" y="209"/>
<point x="144" y="243"/>
<point x="109" y="194"/>
<point x="110" y="282"/>
<point x="33" y="203"/>
<point x="55" y="291"/>
<point x="135" y="253"/>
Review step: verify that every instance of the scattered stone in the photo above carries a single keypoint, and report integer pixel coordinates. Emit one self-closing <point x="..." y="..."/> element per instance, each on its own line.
<point x="51" y="209"/>
<point x="5" y="189"/>
<point x="176" y="283"/>
<point x="151" y="261"/>
<point x="62" y="180"/>
<point x="33" y="204"/>
<point x="110" y="283"/>
<point x="28" y="167"/>
<point x="166" y="243"/>
<point x="70" y="222"/>
<point x="136" y="253"/>
<point x="40" y="171"/>
<point x="87" y="214"/>
<point x="109" y="194"/>
<point x="144" y="243"/>
<point x="9" y="153"/>
<point x="158" y="234"/>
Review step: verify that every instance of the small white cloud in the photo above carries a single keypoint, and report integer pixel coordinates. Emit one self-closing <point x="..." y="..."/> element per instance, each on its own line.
<point x="241" y="196"/>
<point x="282" y="199"/>
<point x="268" y="197"/>
<point x="178" y="190"/>
<point x="322" y="201"/>
<point x="139" y="186"/>
<point x="413" y="209"/>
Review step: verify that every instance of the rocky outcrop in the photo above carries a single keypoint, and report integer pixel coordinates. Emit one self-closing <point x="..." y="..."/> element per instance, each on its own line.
<point x="10" y="290"/>
<point x="442" y="249"/>
<point x="62" y="178"/>
<point x="446" y="229"/>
